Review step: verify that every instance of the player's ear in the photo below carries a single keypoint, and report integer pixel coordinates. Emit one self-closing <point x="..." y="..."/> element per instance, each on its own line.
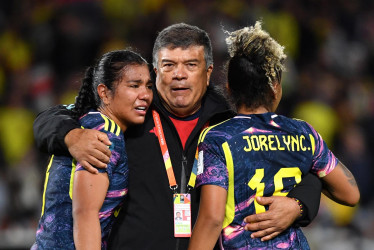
<point x="103" y="92"/>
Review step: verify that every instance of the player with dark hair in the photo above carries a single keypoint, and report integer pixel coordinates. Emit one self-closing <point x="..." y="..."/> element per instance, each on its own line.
<point x="78" y="206"/>
<point x="259" y="153"/>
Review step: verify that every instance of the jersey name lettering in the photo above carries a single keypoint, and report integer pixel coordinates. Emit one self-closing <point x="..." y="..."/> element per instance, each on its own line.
<point x="276" y="143"/>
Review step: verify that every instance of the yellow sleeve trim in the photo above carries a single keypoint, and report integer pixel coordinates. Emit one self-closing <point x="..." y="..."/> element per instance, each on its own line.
<point x="205" y="131"/>
<point x="313" y="142"/>
<point x="46" y="183"/>
<point x="230" y="203"/>
<point x="73" y="167"/>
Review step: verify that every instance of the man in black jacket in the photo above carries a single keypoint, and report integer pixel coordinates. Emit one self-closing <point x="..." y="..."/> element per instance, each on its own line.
<point x="184" y="103"/>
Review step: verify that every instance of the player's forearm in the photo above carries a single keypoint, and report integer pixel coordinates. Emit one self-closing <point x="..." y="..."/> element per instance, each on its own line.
<point x="210" y="219"/>
<point x="205" y="233"/>
<point x="87" y="230"/>
<point x="340" y="186"/>
<point x="347" y="198"/>
<point x="88" y="195"/>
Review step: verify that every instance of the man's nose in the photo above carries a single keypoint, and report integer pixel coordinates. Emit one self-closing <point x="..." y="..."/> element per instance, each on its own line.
<point x="180" y="72"/>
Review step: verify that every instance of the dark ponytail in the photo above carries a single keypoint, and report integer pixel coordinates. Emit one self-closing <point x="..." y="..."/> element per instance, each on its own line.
<point x="85" y="99"/>
<point x="248" y="83"/>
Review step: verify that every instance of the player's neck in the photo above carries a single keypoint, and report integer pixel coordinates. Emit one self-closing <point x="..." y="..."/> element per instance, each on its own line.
<point x="249" y="111"/>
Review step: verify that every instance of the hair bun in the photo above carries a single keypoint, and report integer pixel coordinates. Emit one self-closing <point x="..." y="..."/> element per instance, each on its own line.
<point x="259" y="47"/>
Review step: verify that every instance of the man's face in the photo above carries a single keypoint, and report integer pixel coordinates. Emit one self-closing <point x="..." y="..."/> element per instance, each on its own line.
<point x="182" y="79"/>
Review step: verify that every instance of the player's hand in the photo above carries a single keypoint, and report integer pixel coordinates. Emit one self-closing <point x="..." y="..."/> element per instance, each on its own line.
<point x="89" y="147"/>
<point x="283" y="211"/>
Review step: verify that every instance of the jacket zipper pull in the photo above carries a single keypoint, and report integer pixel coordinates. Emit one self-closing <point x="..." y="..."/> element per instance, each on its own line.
<point x="183" y="175"/>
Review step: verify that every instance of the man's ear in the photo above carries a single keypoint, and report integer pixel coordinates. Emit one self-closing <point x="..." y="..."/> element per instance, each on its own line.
<point x="227" y="88"/>
<point x="102" y="91"/>
<point x="209" y="73"/>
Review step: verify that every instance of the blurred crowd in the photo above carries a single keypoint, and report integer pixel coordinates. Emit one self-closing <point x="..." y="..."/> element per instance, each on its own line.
<point x="45" y="46"/>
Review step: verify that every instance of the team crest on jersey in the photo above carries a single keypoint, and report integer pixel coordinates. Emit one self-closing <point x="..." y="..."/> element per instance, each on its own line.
<point x="200" y="163"/>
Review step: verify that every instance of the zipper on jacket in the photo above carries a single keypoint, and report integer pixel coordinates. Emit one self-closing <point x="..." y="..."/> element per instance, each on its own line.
<point x="183" y="174"/>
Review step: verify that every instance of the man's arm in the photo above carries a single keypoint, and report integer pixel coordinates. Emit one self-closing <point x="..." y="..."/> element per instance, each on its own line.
<point x="56" y="132"/>
<point x="284" y="211"/>
<point x="308" y="192"/>
<point x="50" y="128"/>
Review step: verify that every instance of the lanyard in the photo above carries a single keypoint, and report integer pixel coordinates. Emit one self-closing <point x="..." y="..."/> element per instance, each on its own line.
<point x="165" y="154"/>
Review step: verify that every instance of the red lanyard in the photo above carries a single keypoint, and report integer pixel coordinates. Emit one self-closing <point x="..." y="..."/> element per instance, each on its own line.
<point x="164" y="150"/>
<point x="165" y="154"/>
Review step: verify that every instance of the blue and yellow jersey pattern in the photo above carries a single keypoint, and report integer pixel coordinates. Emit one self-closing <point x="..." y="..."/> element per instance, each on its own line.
<point x="55" y="229"/>
<point x="259" y="155"/>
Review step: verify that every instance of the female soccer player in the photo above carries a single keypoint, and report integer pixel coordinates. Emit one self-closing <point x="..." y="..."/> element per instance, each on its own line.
<point x="258" y="153"/>
<point x="78" y="207"/>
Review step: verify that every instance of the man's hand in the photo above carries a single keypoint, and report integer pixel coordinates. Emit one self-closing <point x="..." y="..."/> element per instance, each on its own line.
<point x="283" y="211"/>
<point x="89" y="147"/>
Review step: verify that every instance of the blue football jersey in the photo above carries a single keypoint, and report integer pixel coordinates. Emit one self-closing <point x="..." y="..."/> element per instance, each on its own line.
<point x="259" y="155"/>
<point x="55" y="229"/>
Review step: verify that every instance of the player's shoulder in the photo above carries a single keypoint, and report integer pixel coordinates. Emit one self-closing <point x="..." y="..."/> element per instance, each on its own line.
<point x="98" y="121"/>
<point x="220" y="131"/>
<point x="295" y="123"/>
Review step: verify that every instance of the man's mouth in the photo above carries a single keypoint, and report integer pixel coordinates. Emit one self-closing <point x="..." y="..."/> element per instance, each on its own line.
<point x="179" y="89"/>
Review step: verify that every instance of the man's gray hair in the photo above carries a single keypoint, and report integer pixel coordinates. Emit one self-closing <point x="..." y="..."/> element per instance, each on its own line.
<point x="183" y="35"/>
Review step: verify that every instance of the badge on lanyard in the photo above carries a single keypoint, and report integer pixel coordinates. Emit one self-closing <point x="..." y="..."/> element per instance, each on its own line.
<point x="182" y="202"/>
<point x="182" y="215"/>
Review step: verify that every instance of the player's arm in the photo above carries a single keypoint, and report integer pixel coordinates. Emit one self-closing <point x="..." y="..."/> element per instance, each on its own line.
<point x="285" y="211"/>
<point x="88" y="196"/>
<point x="210" y="218"/>
<point x="56" y="132"/>
<point x="340" y="186"/>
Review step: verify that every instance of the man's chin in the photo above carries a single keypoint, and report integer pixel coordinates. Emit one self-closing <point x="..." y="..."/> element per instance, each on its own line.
<point x="183" y="111"/>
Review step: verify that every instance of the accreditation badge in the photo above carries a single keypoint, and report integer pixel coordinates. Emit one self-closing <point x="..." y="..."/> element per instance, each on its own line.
<point x="182" y="215"/>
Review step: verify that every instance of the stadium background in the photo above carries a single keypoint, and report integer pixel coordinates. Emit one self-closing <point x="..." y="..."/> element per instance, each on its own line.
<point x="46" y="44"/>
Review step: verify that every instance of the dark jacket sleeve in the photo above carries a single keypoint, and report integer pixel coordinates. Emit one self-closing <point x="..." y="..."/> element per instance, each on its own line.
<point x="308" y="191"/>
<point x="50" y="128"/>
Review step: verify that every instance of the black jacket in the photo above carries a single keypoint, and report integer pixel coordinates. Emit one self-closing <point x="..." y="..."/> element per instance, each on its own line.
<point x="146" y="219"/>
